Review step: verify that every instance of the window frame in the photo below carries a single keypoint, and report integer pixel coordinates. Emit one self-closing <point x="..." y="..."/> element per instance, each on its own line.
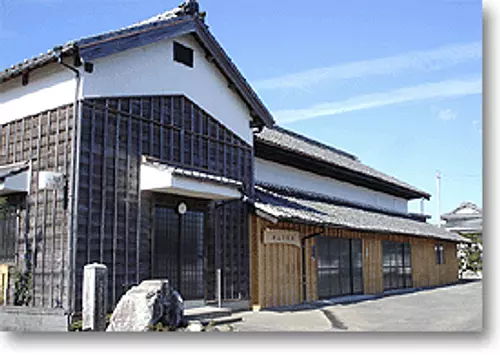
<point x="439" y="250"/>
<point x="396" y="265"/>
<point x="339" y="267"/>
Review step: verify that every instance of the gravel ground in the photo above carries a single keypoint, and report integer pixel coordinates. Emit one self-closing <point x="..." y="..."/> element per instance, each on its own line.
<point x="456" y="308"/>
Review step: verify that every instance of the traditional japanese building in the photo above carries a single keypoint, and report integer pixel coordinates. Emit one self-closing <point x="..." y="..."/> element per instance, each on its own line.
<point x="325" y="225"/>
<point x="466" y="219"/>
<point x="140" y="149"/>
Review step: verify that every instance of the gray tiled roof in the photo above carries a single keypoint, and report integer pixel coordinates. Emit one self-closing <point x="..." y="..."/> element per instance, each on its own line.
<point x="309" y="211"/>
<point x="291" y="141"/>
<point x="44" y="58"/>
<point x="478" y="212"/>
<point x="310" y="195"/>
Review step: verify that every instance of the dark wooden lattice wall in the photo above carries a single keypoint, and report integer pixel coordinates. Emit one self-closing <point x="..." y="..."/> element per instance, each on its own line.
<point x="46" y="140"/>
<point x="114" y="218"/>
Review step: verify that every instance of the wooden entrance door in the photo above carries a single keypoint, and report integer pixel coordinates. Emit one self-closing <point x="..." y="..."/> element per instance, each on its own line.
<point x="179" y="250"/>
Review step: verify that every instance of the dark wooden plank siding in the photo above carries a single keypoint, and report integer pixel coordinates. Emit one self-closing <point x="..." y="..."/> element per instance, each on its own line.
<point x="115" y="218"/>
<point x="45" y="139"/>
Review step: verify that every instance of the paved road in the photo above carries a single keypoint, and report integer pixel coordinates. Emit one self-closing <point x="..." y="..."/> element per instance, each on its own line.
<point x="452" y="308"/>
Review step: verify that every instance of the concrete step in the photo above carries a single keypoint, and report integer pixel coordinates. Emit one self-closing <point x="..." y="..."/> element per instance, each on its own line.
<point x="207" y="312"/>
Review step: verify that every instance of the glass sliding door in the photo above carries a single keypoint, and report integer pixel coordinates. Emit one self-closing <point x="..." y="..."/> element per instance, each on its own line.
<point x="396" y="264"/>
<point x="357" y="266"/>
<point x="340" y="267"/>
<point x="328" y="267"/>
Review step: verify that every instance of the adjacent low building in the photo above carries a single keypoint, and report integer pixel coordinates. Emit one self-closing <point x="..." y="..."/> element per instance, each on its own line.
<point x="146" y="150"/>
<point x="326" y="225"/>
<point x="466" y="219"/>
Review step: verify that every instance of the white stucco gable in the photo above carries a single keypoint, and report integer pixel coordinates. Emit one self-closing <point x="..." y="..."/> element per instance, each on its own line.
<point x="142" y="71"/>
<point x="151" y="70"/>
<point x="48" y="87"/>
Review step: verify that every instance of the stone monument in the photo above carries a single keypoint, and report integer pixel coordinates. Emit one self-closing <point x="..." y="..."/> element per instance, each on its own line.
<point x="146" y="305"/>
<point x="95" y="297"/>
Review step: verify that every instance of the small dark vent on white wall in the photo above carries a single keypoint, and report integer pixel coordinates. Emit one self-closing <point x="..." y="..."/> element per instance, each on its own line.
<point x="183" y="54"/>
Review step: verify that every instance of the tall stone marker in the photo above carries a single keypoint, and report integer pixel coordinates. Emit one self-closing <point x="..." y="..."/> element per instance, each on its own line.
<point x="95" y="297"/>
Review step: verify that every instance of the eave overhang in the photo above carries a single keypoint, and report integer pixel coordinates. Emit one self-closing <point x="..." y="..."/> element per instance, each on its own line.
<point x="14" y="178"/>
<point x="162" y="178"/>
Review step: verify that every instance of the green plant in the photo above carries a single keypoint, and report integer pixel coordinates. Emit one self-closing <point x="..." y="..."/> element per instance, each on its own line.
<point x="23" y="283"/>
<point x="22" y="288"/>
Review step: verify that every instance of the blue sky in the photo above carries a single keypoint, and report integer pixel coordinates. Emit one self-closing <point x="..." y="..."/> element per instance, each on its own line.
<point x="397" y="83"/>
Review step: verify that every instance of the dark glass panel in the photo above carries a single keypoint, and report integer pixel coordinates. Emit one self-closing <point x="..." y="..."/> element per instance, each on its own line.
<point x="357" y="283"/>
<point x="323" y="283"/>
<point x="339" y="267"/>
<point x="335" y="284"/>
<point x="400" y="277"/>
<point x="407" y="255"/>
<point x="386" y="252"/>
<point x="356" y="253"/>
<point x="387" y="277"/>
<point x="408" y="277"/>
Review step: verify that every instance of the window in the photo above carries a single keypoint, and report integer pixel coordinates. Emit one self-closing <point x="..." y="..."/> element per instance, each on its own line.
<point x="439" y="248"/>
<point x="8" y="231"/>
<point x="396" y="265"/>
<point x="183" y="54"/>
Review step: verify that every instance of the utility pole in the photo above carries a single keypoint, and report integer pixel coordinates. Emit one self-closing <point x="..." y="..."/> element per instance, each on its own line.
<point x="438" y="197"/>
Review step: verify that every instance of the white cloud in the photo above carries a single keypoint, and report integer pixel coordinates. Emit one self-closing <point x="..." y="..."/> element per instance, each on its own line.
<point x="442" y="89"/>
<point x="419" y="61"/>
<point x="447" y="114"/>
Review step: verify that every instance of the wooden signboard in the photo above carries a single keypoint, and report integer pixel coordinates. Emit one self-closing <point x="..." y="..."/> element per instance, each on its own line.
<point x="282" y="236"/>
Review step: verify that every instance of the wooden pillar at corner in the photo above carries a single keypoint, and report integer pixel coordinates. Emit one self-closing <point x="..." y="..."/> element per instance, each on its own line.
<point x="256" y="263"/>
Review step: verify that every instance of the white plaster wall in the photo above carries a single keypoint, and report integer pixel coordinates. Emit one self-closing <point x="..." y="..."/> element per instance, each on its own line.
<point x="278" y="174"/>
<point x="151" y="70"/>
<point x="48" y="87"/>
<point x="467" y="210"/>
